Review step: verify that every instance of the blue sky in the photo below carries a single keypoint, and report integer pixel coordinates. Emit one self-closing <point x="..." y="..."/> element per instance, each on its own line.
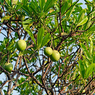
<point x="2" y="76"/>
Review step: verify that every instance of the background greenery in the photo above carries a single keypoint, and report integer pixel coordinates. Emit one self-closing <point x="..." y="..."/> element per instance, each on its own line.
<point x="60" y="24"/>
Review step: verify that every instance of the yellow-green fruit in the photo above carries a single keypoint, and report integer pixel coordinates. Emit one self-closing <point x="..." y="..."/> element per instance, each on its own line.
<point x="21" y="45"/>
<point x="63" y="34"/>
<point x="8" y="67"/>
<point x="55" y="56"/>
<point x="48" y="51"/>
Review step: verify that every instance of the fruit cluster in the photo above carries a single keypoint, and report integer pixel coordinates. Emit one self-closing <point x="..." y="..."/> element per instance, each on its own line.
<point x="21" y="45"/>
<point x="53" y="54"/>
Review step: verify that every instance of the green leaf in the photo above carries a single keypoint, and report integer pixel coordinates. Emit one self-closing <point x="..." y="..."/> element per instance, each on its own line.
<point x="27" y="23"/>
<point x="83" y="21"/>
<point x="94" y="58"/>
<point x="81" y="68"/>
<point x="46" y="39"/>
<point x="30" y="34"/>
<point x="26" y="9"/>
<point x="9" y="2"/>
<point x="49" y="4"/>
<point x="10" y="46"/>
<point x="1" y="1"/>
<point x="87" y="25"/>
<point x="40" y="36"/>
<point x="92" y="28"/>
<point x="70" y="11"/>
<point x="89" y="70"/>
<point x="34" y="7"/>
<point x="14" y="1"/>
<point x="75" y="73"/>
<point x="41" y="3"/>
<point x="88" y="56"/>
<point x="81" y="15"/>
<point x="79" y="3"/>
<point x="24" y="2"/>
<point x="64" y="7"/>
<point x="18" y="6"/>
<point x="91" y="46"/>
<point x="83" y="46"/>
<point x="52" y="13"/>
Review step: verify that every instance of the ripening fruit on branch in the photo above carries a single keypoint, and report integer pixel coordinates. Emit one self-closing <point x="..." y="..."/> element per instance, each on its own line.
<point x="55" y="56"/>
<point x="21" y="45"/>
<point x="64" y="34"/>
<point x="48" y="51"/>
<point x="8" y="67"/>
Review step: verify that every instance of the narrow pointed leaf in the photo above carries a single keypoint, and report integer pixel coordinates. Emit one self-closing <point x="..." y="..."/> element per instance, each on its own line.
<point x="27" y="23"/>
<point x="70" y="12"/>
<point x="64" y="7"/>
<point x="24" y="2"/>
<point x="48" y="5"/>
<point x="91" y="46"/>
<point x="86" y="51"/>
<point x="83" y="21"/>
<point x="46" y="39"/>
<point x="89" y="70"/>
<point x="81" y="15"/>
<point x="34" y="7"/>
<point x="30" y="34"/>
<point x="92" y="28"/>
<point x="81" y="68"/>
<point x="40" y="36"/>
<point x="41" y="3"/>
<point x="26" y="9"/>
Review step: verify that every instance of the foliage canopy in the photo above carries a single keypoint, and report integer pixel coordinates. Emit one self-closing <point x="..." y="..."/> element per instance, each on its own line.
<point x="62" y="25"/>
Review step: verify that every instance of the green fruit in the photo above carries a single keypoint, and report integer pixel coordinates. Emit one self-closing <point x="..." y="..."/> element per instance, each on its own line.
<point x="21" y="45"/>
<point x="8" y="67"/>
<point x="48" y="51"/>
<point x="63" y="34"/>
<point x="55" y="56"/>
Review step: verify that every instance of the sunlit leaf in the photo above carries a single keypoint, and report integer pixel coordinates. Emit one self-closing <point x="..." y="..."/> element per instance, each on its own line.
<point x="83" y="21"/>
<point x="27" y="23"/>
<point x="41" y="3"/>
<point x="5" y="18"/>
<point x="30" y="34"/>
<point x="91" y="46"/>
<point x="81" y="15"/>
<point x="70" y="12"/>
<point x="14" y="1"/>
<point x="88" y="55"/>
<point x="46" y="39"/>
<point x="90" y="69"/>
<point x="49" y="4"/>
<point x="40" y="36"/>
